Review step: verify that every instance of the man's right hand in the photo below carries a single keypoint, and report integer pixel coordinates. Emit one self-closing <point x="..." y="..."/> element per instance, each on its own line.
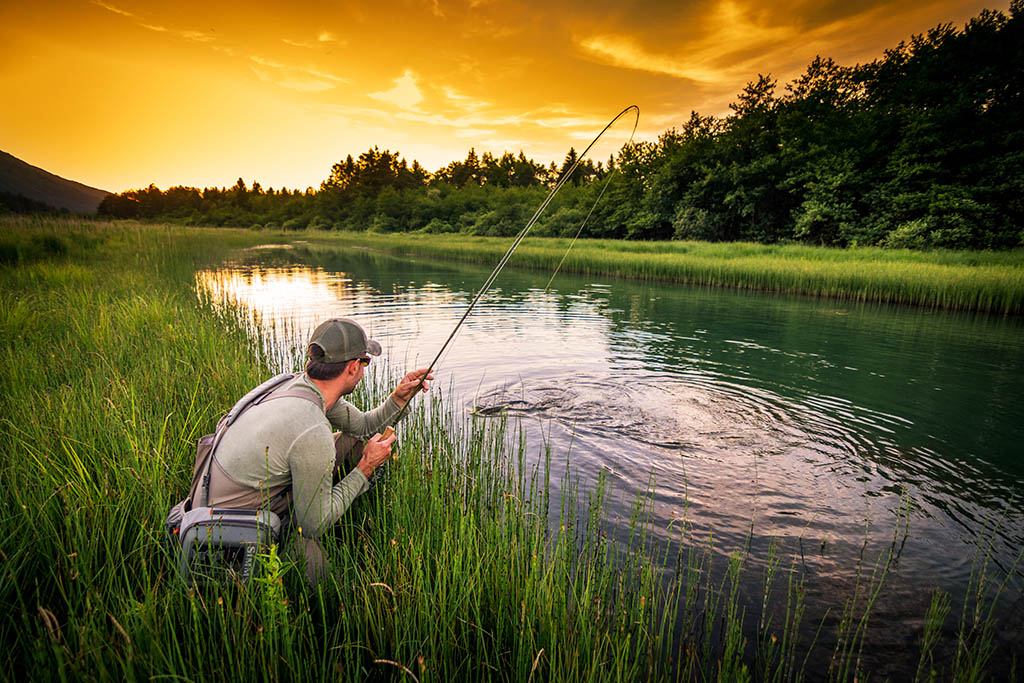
<point x="376" y="452"/>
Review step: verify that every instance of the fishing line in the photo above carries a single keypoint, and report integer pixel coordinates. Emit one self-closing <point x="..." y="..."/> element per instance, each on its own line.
<point x="522" y="234"/>
<point x="582" y="225"/>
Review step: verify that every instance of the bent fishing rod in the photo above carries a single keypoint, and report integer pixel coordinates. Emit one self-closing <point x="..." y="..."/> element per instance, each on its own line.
<point x="519" y="238"/>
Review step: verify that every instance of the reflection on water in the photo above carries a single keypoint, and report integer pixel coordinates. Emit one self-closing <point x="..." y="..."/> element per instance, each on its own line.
<point x="796" y="417"/>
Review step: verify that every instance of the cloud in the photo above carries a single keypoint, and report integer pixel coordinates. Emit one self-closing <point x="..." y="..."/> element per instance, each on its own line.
<point x="545" y="117"/>
<point x="464" y="102"/>
<point x="405" y="95"/>
<point x="320" y="38"/>
<point x="557" y="117"/>
<point x="301" y="85"/>
<point x="737" y="39"/>
<point x="323" y="74"/>
<point x="111" y="8"/>
<point x="194" y="36"/>
<point x="303" y="79"/>
<point x="730" y="39"/>
<point x="267" y="62"/>
<point x="625" y="52"/>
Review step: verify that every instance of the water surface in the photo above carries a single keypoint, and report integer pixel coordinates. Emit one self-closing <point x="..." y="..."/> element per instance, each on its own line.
<point x="808" y="420"/>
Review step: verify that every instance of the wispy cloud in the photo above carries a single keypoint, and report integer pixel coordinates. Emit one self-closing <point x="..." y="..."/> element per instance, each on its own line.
<point x="267" y="62"/>
<point x="230" y="52"/>
<point x="493" y="131"/>
<point x="299" y="84"/>
<point x="625" y="52"/>
<point x="406" y="94"/>
<point x="111" y="8"/>
<point x="464" y="102"/>
<point x="734" y="42"/>
<point x="301" y="78"/>
<point x="323" y="74"/>
<point x="319" y="40"/>
<point x="197" y="36"/>
<point x="728" y="33"/>
<point x="194" y="36"/>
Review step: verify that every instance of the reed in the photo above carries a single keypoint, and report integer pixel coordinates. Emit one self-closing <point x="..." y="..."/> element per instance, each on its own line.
<point x="451" y="569"/>
<point x="982" y="281"/>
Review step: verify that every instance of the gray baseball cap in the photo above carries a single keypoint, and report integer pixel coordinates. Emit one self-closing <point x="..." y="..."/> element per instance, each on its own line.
<point x="342" y="340"/>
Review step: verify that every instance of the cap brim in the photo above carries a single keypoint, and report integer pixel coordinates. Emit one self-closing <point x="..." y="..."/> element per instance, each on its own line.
<point x="373" y="347"/>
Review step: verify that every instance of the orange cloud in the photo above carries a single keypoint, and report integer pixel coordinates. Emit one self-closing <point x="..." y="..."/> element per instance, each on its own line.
<point x="405" y="95"/>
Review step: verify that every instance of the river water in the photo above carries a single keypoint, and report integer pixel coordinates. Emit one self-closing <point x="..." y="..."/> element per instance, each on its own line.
<point x="807" y="420"/>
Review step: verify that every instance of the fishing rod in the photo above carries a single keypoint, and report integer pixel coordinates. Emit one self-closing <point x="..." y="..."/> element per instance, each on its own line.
<point x="522" y="235"/>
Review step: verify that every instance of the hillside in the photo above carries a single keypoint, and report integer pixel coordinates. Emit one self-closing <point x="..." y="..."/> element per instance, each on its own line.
<point x="20" y="178"/>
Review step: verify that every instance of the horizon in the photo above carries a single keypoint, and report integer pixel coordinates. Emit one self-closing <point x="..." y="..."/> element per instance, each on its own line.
<point x="200" y="96"/>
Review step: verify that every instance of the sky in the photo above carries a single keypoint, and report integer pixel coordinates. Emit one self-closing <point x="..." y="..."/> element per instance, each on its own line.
<point x="119" y="94"/>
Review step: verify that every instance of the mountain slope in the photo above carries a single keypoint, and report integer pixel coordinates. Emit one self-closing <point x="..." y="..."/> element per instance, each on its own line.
<point x="20" y="178"/>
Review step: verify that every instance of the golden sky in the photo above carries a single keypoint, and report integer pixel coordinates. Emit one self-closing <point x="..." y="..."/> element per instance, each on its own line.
<point x="118" y="94"/>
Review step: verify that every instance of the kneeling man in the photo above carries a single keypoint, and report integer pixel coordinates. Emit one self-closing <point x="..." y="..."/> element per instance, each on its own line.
<point x="304" y="459"/>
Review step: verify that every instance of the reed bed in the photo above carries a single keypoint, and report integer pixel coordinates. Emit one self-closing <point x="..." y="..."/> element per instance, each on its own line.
<point x="963" y="281"/>
<point x="452" y="568"/>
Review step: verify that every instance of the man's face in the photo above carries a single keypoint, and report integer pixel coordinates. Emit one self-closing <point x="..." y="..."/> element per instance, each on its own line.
<point x="354" y="373"/>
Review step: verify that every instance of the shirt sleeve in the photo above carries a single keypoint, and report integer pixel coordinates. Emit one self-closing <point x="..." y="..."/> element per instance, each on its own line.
<point x="348" y="419"/>
<point x="316" y="504"/>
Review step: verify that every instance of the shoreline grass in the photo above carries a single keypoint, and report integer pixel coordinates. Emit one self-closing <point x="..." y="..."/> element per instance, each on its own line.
<point x="451" y="570"/>
<point x="961" y="281"/>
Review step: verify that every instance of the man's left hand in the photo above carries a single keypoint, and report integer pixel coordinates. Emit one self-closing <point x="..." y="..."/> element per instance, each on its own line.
<point x="407" y="387"/>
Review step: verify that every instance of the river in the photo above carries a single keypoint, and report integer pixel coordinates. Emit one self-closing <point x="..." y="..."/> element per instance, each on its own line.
<point x="808" y="420"/>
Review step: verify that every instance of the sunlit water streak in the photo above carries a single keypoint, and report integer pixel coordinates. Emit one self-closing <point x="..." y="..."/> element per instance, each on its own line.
<point x="796" y="418"/>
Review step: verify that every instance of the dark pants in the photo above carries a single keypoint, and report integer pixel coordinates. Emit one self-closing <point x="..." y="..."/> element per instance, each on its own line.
<point x="348" y="450"/>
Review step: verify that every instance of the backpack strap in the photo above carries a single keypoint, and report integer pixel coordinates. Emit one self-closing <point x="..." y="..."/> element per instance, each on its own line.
<point x="268" y="391"/>
<point x="305" y="394"/>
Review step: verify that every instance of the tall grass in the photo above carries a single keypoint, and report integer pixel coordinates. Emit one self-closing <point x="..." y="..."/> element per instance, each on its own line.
<point x="452" y="568"/>
<point x="983" y="281"/>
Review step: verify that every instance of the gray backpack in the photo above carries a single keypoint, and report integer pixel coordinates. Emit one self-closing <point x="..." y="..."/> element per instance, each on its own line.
<point x="218" y="545"/>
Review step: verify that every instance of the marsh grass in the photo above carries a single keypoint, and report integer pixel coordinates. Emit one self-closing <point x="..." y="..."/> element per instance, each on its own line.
<point x="452" y="568"/>
<point x="982" y="281"/>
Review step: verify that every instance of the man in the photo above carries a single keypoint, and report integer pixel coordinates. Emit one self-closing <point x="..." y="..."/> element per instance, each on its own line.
<point x="282" y="455"/>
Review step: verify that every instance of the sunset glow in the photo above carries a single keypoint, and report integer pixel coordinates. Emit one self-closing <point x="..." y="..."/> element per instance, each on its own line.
<point x="119" y="94"/>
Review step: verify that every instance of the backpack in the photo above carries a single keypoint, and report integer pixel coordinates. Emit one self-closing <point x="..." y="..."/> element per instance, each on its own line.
<point x="219" y="544"/>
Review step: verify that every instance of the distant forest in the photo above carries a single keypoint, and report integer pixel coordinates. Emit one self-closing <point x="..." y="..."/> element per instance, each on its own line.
<point x="922" y="148"/>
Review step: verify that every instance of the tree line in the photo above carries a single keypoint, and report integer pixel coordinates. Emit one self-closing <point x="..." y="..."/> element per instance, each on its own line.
<point x="921" y="148"/>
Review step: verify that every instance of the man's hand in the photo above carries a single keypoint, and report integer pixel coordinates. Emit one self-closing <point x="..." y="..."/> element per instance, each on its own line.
<point x="375" y="453"/>
<point x="407" y="387"/>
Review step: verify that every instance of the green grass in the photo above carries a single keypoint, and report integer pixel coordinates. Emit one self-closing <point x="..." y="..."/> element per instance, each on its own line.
<point x="451" y="570"/>
<point x="983" y="281"/>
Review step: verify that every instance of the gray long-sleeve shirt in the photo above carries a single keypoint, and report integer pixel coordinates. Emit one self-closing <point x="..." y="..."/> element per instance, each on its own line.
<point x="288" y="444"/>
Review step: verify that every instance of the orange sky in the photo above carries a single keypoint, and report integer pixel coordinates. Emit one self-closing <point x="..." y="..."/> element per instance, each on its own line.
<point x="122" y="93"/>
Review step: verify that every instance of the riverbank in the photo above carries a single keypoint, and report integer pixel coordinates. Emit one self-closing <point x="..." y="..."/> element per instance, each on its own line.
<point x="965" y="281"/>
<point x="451" y="570"/>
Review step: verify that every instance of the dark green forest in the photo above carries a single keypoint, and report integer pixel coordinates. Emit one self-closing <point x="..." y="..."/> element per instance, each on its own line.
<point x="921" y="148"/>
